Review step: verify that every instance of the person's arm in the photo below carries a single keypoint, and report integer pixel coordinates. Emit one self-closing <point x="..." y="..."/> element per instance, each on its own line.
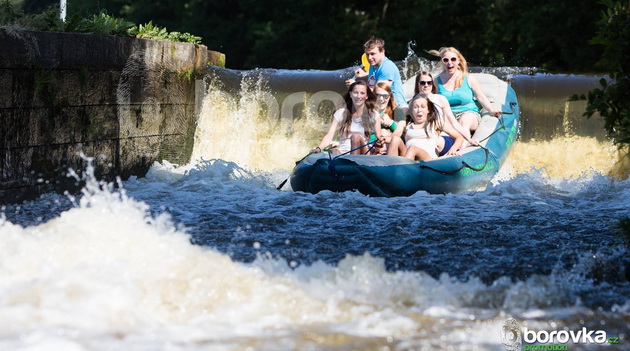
<point x="459" y="138"/>
<point x="397" y="132"/>
<point x="481" y="97"/>
<point x="377" y="131"/>
<point x="327" y="139"/>
<point x="359" y="74"/>
<point x="388" y="122"/>
<point x="450" y="119"/>
<point x="400" y="128"/>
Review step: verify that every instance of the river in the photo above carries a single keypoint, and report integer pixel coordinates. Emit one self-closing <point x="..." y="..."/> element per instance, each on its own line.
<point x="210" y="256"/>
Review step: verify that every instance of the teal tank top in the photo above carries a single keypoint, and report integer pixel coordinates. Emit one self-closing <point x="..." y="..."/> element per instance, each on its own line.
<point x="460" y="99"/>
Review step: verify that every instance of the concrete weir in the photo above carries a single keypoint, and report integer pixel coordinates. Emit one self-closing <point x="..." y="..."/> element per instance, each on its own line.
<point x="122" y="101"/>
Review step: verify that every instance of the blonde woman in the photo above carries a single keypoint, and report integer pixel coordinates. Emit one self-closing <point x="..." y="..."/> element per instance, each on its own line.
<point x="460" y="89"/>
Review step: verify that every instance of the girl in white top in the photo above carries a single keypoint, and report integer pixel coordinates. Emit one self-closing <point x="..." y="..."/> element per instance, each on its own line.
<point x="356" y="120"/>
<point x="422" y="131"/>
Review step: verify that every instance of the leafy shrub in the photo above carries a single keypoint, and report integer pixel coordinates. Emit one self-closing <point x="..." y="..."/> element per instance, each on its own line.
<point x="612" y="101"/>
<point x="151" y="31"/>
<point x="101" y="23"/>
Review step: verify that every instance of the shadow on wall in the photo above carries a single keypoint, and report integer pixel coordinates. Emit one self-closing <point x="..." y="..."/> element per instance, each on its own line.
<point x="124" y="102"/>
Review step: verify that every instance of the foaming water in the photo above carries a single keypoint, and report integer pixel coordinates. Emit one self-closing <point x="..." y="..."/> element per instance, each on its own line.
<point x="565" y="157"/>
<point x="282" y="270"/>
<point x="246" y="126"/>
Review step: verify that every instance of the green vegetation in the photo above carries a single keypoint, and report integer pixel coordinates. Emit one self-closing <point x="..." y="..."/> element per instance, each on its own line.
<point x="102" y="23"/>
<point x="612" y="100"/>
<point x="188" y="74"/>
<point x="329" y="34"/>
<point x="151" y="31"/>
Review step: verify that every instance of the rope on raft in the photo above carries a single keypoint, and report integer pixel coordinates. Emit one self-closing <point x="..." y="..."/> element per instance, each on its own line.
<point x="331" y="164"/>
<point x="466" y="165"/>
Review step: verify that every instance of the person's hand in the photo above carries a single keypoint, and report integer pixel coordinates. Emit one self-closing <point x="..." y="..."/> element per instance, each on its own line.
<point x="349" y="82"/>
<point x="453" y="152"/>
<point x="496" y="113"/>
<point x="472" y="142"/>
<point x="316" y="150"/>
<point x="359" y="72"/>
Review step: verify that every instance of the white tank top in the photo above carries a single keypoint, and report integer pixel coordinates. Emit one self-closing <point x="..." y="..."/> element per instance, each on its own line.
<point x="418" y="137"/>
<point x="356" y="127"/>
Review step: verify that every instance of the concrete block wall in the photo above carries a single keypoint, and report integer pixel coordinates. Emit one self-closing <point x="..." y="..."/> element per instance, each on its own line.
<point x="125" y="102"/>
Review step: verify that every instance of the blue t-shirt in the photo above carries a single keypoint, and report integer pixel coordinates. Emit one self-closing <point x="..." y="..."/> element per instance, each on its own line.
<point x="388" y="71"/>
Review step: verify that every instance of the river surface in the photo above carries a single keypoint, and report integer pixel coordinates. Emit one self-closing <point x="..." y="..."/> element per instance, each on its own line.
<point x="210" y="256"/>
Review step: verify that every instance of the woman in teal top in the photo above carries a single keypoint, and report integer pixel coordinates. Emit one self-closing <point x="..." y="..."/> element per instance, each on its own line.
<point x="460" y="99"/>
<point x="460" y="89"/>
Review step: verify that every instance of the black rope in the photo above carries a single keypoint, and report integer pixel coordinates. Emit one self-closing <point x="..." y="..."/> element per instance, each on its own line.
<point x="512" y="104"/>
<point x="331" y="164"/>
<point x="464" y="165"/>
<point x="500" y="118"/>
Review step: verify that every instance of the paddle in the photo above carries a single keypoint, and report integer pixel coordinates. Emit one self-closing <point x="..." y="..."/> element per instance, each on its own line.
<point x="285" y="181"/>
<point x="307" y="155"/>
<point x="365" y="63"/>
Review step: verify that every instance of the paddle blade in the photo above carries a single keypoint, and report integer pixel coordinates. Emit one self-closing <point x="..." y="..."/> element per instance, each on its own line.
<point x="282" y="184"/>
<point x="365" y="63"/>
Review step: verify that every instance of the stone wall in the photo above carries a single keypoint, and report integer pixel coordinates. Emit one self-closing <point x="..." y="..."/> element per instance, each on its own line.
<point x="124" y="102"/>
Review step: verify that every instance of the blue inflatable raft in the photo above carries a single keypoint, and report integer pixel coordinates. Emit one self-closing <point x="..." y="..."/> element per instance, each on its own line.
<point x="399" y="176"/>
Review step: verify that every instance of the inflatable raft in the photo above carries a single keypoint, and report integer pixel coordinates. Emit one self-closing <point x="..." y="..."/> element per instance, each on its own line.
<point x="399" y="176"/>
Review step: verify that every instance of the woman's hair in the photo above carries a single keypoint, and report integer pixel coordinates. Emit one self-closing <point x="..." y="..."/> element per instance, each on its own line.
<point x="416" y="90"/>
<point x="462" y="66"/>
<point x="391" y="104"/>
<point x="367" y="119"/>
<point x="431" y="118"/>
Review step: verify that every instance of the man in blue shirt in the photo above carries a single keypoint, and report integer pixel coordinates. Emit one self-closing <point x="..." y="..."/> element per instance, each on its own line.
<point x="382" y="69"/>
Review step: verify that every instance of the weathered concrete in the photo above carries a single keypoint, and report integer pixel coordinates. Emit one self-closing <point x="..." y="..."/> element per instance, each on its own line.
<point x="125" y="102"/>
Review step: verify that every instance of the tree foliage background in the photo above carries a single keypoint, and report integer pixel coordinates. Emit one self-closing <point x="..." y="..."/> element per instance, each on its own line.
<point x="612" y="101"/>
<point x="328" y="34"/>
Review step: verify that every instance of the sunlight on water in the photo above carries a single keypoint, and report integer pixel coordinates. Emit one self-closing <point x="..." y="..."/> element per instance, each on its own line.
<point x="564" y="157"/>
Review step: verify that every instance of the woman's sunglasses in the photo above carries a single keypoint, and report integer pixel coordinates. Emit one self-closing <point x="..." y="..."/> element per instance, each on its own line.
<point x="445" y="59"/>
<point x="382" y="96"/>
<point x="425" y="82"/>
